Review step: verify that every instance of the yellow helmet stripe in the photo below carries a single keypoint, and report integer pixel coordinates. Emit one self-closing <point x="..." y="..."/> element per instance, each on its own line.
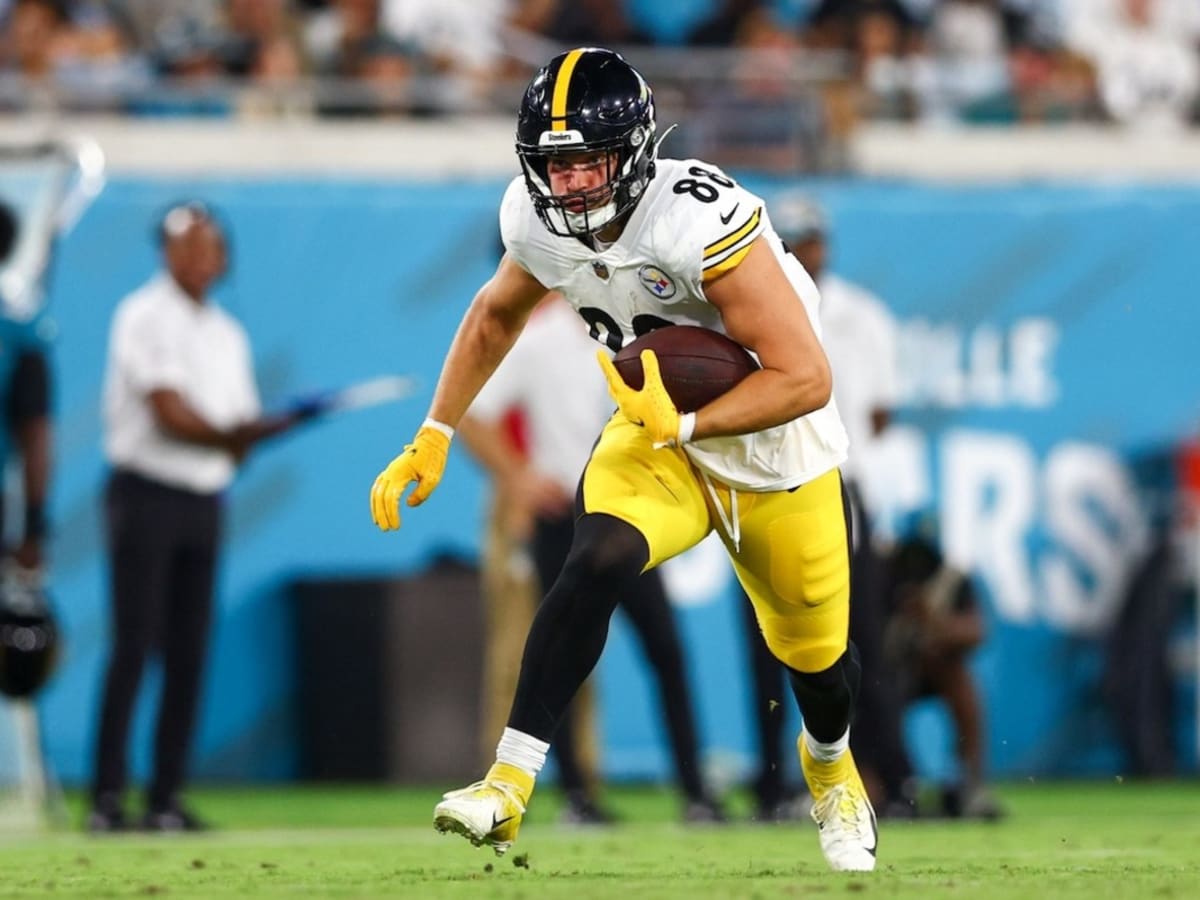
<point x="562" y="84"/>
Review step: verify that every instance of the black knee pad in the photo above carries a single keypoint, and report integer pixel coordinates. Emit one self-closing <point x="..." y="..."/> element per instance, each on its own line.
<point x="606" y="557"/>
<point x="606" y="554"/>
<point x="847" y="671"/>
<point x="826" y="698"/>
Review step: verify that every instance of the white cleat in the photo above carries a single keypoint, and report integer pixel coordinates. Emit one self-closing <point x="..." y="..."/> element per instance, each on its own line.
<point x="486" y="812"/>
<point x="848" y="831"/>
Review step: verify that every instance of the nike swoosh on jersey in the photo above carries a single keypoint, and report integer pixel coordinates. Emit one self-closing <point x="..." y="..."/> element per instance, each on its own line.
<point x="725" y="219"/>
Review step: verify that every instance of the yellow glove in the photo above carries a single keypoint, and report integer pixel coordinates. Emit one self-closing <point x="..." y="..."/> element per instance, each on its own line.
<point x="651" y="407"/>
<point x="423" y="462"/>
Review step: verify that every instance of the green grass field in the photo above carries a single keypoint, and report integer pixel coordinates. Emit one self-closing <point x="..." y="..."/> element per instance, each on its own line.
<point x="1096" y="841"/>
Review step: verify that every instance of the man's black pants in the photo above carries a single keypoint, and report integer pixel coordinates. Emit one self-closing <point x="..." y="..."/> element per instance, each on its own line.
<point x="162" y="548"/>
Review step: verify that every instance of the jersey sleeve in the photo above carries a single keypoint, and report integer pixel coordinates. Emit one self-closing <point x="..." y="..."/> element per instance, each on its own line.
<point x="526" y="239"/>
<point x="517" y="223"/>
<point x="717" y="220"/>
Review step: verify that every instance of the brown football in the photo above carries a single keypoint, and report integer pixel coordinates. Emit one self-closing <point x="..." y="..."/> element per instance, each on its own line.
<point x="697" y="364"/>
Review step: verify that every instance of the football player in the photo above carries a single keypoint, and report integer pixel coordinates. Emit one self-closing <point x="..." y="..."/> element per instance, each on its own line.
<point x="635" y="243"/>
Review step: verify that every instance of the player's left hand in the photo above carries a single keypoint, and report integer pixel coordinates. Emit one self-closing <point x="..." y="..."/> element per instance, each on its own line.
<point x="422" y="462"/>
<point x="651" y="407"/>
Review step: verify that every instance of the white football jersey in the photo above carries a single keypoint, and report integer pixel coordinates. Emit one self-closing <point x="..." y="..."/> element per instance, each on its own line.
<point x="693" y="224"/>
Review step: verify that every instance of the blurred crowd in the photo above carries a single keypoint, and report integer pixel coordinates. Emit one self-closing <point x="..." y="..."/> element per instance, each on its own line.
<point x="802" y="67"/>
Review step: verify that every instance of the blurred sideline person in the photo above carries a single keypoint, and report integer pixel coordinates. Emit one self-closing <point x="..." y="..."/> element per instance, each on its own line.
<point x="28" y="430"/>
<point x="28" y="632"/>
<point x="181" y="411"/>
<point x="634" y="243"/>
<point x="934" y="624"/>
<point x="859" y="335"/>
<point x="553" y="357"/>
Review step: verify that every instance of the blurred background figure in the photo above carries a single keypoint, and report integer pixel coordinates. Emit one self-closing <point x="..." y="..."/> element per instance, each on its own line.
<point x="761" y="117"/>
<point x="457" y="42"/>
<point x="550" y="375"/>
<point x="29" y="633"/>
<point x="580" y="22"/>
<point x="1140" y="684"/>
<point x="45" y="188"/>
<point x="76" y="55"/>
<point x="968" y="39"/>
<point x="181" y="412"/>
<point x="1145" y="56"/>
<point x="28" y="431"/>
<point x="934" y="624"/>
<point x="349" y="40"/>
<point x="891" y="71"/>
<point x="807" y="74"/>
<point x="859" y="335"/>
<point x="263" y="42"/>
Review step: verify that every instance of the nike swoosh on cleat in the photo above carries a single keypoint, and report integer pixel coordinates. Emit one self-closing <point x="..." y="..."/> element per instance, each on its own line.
<point x="725" y="219"/>
<point x="496" y="823"/>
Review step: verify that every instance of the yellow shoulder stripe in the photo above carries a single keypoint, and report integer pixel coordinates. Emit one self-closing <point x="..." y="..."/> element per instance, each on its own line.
<point x="562" y="86"/>
<point x="722" y="244"/>
<point x="727" y="264"/>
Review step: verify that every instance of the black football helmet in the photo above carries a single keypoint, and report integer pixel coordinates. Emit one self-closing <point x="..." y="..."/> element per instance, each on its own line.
<point x="28" y="634"/>
<point x="585" y="100"/>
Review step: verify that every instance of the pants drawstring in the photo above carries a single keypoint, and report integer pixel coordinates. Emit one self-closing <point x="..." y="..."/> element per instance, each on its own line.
<point x="729" y="523"/>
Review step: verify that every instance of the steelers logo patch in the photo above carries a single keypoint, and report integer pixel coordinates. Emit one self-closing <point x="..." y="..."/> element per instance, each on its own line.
<point x="657" y="282"/>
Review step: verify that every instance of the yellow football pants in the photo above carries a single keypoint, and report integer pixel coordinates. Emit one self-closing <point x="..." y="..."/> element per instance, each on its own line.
<point x="792" y="557"/>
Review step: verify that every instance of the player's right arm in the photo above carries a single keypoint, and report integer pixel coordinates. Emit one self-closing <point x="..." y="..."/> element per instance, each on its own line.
<point x="487" y="332"/>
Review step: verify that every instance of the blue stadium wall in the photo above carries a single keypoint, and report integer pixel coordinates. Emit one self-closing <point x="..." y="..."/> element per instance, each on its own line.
<point x="1061" y="321"/>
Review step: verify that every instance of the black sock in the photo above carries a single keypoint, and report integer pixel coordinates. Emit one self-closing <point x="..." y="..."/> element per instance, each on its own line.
<point x="827" y="698"/>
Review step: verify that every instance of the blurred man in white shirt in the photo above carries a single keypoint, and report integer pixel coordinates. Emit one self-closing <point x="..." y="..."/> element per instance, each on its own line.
<point x="181" y="410"/>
